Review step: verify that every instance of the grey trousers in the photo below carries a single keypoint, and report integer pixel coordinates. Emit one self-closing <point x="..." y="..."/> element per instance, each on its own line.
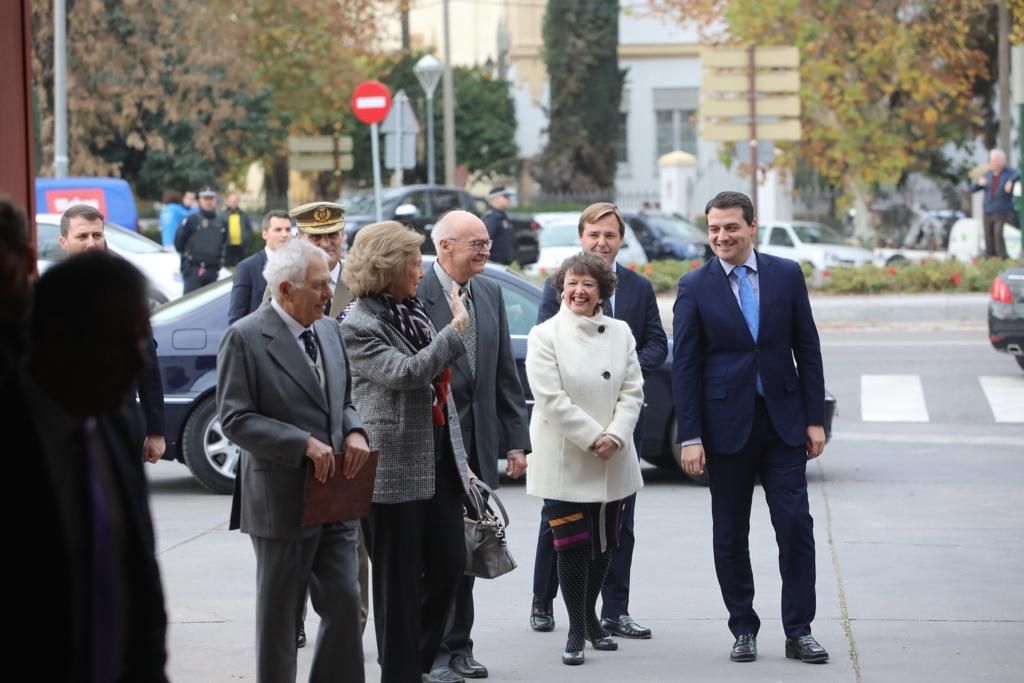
<point x="327" y="562"/>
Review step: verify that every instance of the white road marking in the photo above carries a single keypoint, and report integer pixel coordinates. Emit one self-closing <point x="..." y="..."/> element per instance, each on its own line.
<point x="952" y="440"/>
<point x="1005" y="396"/>
<point x="892" y="398"/>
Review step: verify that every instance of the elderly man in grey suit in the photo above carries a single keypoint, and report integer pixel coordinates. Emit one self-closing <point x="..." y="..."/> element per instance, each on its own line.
<point x="487" y="392"/>
<point x="284" y="396"/>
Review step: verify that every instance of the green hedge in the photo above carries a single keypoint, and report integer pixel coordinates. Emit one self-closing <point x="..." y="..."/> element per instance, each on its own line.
<point x="929" y="276"/>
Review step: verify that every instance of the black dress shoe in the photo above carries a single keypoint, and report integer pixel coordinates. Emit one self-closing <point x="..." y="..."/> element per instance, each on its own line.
<point x="542" y="616"/>
<point x="806" y="649"/>
<point x="625" y="627"/>
<point x="604" y="643"/>
<point x="468" y="667"/>
<point x="572" y="657"/>
<point x="300" y="638"/>
<point x="443" y="674"/>
<point x="744" y="649"/>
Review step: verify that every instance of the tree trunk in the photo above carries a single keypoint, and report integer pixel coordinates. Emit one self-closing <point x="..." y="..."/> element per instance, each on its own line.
<point x="277" y="183"/>
<point x="863" y="227"/>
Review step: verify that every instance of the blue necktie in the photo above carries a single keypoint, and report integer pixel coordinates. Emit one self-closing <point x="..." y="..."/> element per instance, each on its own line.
<point x="751" y="313"/>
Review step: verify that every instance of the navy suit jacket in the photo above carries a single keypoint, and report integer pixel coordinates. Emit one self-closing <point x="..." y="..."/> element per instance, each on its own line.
<point x="716" y="360"/>
<point x="635" y="304"/>
<point x="248" y="286"/>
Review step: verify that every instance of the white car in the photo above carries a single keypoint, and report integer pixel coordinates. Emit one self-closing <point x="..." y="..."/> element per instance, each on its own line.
<point x="560" y="239"/>
<point x="809" y="242"/>
<point x="161" y="268"/>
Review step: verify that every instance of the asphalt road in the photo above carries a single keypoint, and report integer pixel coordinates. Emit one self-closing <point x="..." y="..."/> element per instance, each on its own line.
<point x="918" y="524"/>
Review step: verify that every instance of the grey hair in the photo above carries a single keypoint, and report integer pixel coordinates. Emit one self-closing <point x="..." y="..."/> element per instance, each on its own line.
<point x="290" y="263"/>
<point x="999" y="153"/>
<point x="443" y="229"/>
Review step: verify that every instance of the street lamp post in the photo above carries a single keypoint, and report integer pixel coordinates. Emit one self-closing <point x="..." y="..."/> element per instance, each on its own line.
<point x="428" y="72"/>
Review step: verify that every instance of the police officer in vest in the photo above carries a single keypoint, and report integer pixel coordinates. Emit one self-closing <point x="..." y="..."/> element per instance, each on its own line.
<point x="499" y="227"/>
<point x="200" y="240"/>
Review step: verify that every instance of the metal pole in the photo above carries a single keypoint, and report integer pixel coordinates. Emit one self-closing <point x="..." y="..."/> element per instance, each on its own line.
<point x="430" y="139"/>
<point x="375" y="151"/>
<point x="398" y="104"/>
<point x="449" y="106"/>
<point x="60" y="89"/>
<point x="753" y="128"/>
<point x="1003" y="48"/>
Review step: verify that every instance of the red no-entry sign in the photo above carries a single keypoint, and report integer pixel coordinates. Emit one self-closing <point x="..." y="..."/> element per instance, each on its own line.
<point x="371" y="101"/>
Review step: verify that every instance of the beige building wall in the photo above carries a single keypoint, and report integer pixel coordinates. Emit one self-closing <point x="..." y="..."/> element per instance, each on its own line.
<point x="473" y="27"/>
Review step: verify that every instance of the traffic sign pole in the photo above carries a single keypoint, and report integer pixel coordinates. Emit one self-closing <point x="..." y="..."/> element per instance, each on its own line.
<point x="375" y="150"/>
<point x="371" y="102"/>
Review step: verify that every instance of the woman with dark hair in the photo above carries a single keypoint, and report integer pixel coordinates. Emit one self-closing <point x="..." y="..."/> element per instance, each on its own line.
<point x="586" y="380"/>
<point x="401" y="372"/>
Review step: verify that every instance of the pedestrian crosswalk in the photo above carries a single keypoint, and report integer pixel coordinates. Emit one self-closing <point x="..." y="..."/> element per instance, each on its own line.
<point x="902" y="398"/>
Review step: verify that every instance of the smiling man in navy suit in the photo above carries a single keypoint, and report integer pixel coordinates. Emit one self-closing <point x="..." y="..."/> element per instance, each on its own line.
<point x="602" y="230"/>
<point x="746" y="410"/>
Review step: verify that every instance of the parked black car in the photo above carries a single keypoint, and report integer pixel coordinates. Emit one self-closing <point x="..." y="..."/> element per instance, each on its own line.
<point x="1006" y="314"/>
<point x="188" y="332"/>
<point x="669" y="237"/>
<point x="419" y="206"/>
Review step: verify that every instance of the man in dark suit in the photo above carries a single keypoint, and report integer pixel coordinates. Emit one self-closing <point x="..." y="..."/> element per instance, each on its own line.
<point x="248" y="285"/>
<point x="81" y="231"/>
<point x="487" y="392"/>
<point x="746" y="411"/>
<point x="87" y="585"/>
<point x="499" y="227"/>
<point x="601" y="230"/>
<point x="284" y="396"/>
<point x="998" y="204"/>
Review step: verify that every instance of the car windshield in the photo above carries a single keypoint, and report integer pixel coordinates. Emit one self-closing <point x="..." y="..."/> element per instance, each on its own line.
<point x="192" y="301"/>
<point x="816" y="233"/>
<point x="364" y="204"/>
<point x="675" y="228"/>
<point x="128" y="242"/>
<point x="560" y="235"/>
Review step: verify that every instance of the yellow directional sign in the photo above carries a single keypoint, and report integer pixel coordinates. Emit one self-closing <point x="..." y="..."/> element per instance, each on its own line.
<point x="736" y="132"/>
<point x="775" y="57"/>
<point x="764" y="81"/>
<point x="776" y="105"/>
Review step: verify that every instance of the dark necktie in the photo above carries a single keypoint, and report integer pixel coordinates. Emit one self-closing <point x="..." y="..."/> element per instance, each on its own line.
<point x="469" y="336"/>
<point x="751" y="313"/>
<point x="309" y="341"/>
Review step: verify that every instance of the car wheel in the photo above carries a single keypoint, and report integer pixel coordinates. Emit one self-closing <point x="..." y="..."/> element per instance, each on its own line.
<point x="211" y="456"/>
<point x="701" y="478"/>
<point x="1020" y="361"/>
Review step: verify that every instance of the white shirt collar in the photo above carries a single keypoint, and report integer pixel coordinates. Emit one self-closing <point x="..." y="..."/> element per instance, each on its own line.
<point x="446" y="280"/>
<point x="336" y="275"/>
<point x="750" y="263"/>
<point x="291" y="323"/>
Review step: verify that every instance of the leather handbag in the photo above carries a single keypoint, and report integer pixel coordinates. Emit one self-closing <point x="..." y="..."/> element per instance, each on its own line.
<point x="487" y="555"/>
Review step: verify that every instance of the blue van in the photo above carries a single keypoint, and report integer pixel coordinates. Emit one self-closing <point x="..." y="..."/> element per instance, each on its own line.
<point x="111" y="196"/>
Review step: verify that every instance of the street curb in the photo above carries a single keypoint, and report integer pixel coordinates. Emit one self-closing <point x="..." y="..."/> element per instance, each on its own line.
<point x="884" y="308"/>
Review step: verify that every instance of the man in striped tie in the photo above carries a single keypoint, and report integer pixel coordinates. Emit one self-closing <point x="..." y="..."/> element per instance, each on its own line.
<point x="745" y="410"/>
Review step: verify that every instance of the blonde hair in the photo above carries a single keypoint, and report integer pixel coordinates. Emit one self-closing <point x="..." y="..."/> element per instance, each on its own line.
<point x="379" y="256"/>
<point x="596" y="212"/>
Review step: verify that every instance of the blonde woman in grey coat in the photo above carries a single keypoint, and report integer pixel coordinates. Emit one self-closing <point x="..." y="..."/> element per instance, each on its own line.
<point x="401" y="373"/>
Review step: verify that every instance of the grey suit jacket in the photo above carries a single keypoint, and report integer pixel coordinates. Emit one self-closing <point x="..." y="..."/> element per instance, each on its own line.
<point x="492" y="406"/>
<point x="391" y="388"/>
<point x="269" y="403"/>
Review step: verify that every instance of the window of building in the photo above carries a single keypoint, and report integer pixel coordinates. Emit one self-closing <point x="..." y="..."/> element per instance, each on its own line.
<point x="622" y="141"/>
<point x="675" y="111"/>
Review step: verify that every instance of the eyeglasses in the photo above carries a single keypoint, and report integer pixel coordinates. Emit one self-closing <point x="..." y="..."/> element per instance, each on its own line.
<point x="476" y="245"/>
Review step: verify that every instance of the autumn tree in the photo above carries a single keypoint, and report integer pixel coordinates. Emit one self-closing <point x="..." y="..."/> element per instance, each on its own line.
<point x="153" y="94"/>
<point x="581" y="39"/>
<point x="884" y="83"/>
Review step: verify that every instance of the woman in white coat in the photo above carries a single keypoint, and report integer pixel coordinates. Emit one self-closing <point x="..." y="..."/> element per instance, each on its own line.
<point x="588" y="388"/>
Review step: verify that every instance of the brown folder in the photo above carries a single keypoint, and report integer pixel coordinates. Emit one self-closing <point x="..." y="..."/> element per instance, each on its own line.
<point x="339" y="499"/>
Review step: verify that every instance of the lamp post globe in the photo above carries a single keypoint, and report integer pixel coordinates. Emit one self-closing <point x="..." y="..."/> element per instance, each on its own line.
<point x="428" y="72"/>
